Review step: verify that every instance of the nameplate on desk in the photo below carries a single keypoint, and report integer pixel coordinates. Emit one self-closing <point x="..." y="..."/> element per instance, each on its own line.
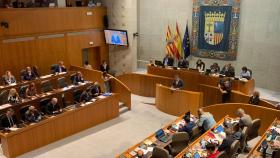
<point x="5" y="106"/>
<point x="46" y="76"/>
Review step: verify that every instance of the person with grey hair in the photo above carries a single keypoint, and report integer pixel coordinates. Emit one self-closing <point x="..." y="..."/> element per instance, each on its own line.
<point x="206" y="120"/>
<point x="245" y="119"/>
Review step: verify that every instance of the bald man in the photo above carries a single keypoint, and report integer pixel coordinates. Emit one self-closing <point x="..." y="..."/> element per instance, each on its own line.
<point x="206" y="120"/>
<point x="245" y="119"/>
<point x="32" y="115"/>
<point x="53" y="107"/>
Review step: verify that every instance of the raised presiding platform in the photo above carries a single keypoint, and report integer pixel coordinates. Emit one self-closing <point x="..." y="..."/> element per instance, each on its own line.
<point x="193" y="79"/>
<point x="72" y="120"/>
<point x="175" y="102"/>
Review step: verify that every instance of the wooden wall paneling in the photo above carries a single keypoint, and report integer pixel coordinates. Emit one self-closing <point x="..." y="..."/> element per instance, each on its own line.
<point x="94" y="57"/>
<point x="29" y="21"/>
<point x="49" y="51"/>
<point x="62" y="131"/>
<point x="46" y="136"/>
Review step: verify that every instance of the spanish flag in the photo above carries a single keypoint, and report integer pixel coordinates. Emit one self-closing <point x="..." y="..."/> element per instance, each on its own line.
<point x="178" y="42"/>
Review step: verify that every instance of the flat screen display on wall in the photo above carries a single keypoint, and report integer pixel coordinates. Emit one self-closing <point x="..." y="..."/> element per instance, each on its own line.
<point x="116" y="37"/>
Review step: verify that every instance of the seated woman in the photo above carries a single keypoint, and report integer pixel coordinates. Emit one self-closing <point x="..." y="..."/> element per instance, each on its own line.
<point x="215" y="68"/>
<point x="79" y="78"/>
<point x="245" y="73"/>
<point x="32" y="115"/>
<point x="225" y="89"/>
<point x="13" y="96"/>
<point x="9" y="79"/>
<point x="212" y="151"/>
<point x="255" y="99"/>
<point x="107" y="82"/>
<point x="31" y="91"/>
<point x="200" y="65"/>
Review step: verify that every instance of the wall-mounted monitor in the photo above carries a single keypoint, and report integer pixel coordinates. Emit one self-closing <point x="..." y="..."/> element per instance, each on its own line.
<point x="116" y="37"/>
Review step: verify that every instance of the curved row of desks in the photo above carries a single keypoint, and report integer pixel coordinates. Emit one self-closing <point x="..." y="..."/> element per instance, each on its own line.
<point x="193" y="79"/>
<point x="266" y="115"/>
<point x="145" y="85"/>
<point x="117" y="85"/>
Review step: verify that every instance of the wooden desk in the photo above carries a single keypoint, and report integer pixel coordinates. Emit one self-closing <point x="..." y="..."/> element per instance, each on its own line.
<point x="117" y="85"/>
<point x="144" y="84"/>
<point x="266" y="115"/>
<point x="177" y="102"/>
<point x="254" y="153"/>
<point x="198" y="140"/>
<point x="152" y="139"/>
<point x="60" y="126"/>
<point x="192" y="79"/>
<point x="212" y="95"/>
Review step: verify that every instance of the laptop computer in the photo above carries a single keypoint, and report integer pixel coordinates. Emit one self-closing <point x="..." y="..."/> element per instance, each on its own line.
<point x="161" y="136"/>
<point x="158" y="63"/>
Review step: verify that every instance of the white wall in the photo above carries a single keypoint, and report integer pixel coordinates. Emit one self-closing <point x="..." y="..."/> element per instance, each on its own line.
<point x="259" y="47"/>
<point x="122" y="14"/>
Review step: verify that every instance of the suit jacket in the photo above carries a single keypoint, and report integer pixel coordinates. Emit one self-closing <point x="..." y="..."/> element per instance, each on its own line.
<point x="50" y="109"/>
<point x="59" y="69"/>
<point x="78" y="79"/>
<point x="254" y="100"/>
<point x="28" y="77"/>
<point x="95" y="90"/>
<point x="102" y="68"/>
<point x="183" y="63"/>
<point x="8" y="81"/>
<point x="188" y="128"/>
<point x="32" y="117"/>
<point x="179" y="84"/>
<point x="85" y="97"/>
<point x="228" y="73"/>
<point x="170" y="61"/>
<point x="6" y="123"/>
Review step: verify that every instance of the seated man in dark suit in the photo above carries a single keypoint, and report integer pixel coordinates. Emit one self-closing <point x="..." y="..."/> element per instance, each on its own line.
<point x="168" y="60"/>
<point x="60" y="67"/>
<point x="183" y="63"/>
<point x="228" y="70"/>
<point x="188" y="126"/>
<point x="85" y="96"/>
<point x="9" y="120"/>
<point x="32" y="115"/>
<point x="255" y="99"/>
<point x="53" y="107"/>
<point x="28" y="74"/>
<point x="96" y="90"/>
<point x="177" y="83"/>
<point x="104" y="66"/>
<point x="78" y="78"/>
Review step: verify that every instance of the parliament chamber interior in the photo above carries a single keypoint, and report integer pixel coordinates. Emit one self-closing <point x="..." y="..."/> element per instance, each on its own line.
<point x="139" y="79"/>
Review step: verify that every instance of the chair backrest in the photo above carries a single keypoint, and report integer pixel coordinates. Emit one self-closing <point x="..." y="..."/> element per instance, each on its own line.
<point x="254" y="130"/>
<point x="4" y="97"/>
<point x="62" y="82"/>
<point x="243" y="139"/>
<point x="180" y="141"/>
<point x="53" y="67"/>
<point x="195" y="132"/>
<point x="77" y="95"/>
<point x="22" y="91"/>
<point x="43" y="104"/>
<point x="233" y="148"/>
<point x="46" y="86"/>
<point x="222" y="154"/>
<point x="22" y="112"/>
<point x="160" y="153"/>
<point x="276" y="154"/>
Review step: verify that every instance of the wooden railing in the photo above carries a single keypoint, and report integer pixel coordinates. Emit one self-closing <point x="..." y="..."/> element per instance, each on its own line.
<point x="117" y="85"/>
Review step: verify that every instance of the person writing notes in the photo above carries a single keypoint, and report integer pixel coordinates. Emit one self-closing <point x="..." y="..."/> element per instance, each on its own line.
<point x="177" y="83"/>
<point x="245" y="73"/>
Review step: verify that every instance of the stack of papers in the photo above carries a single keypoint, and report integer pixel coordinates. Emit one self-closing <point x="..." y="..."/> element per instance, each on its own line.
<point x="148" y="142"/>
<point x="13" y="129"/>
